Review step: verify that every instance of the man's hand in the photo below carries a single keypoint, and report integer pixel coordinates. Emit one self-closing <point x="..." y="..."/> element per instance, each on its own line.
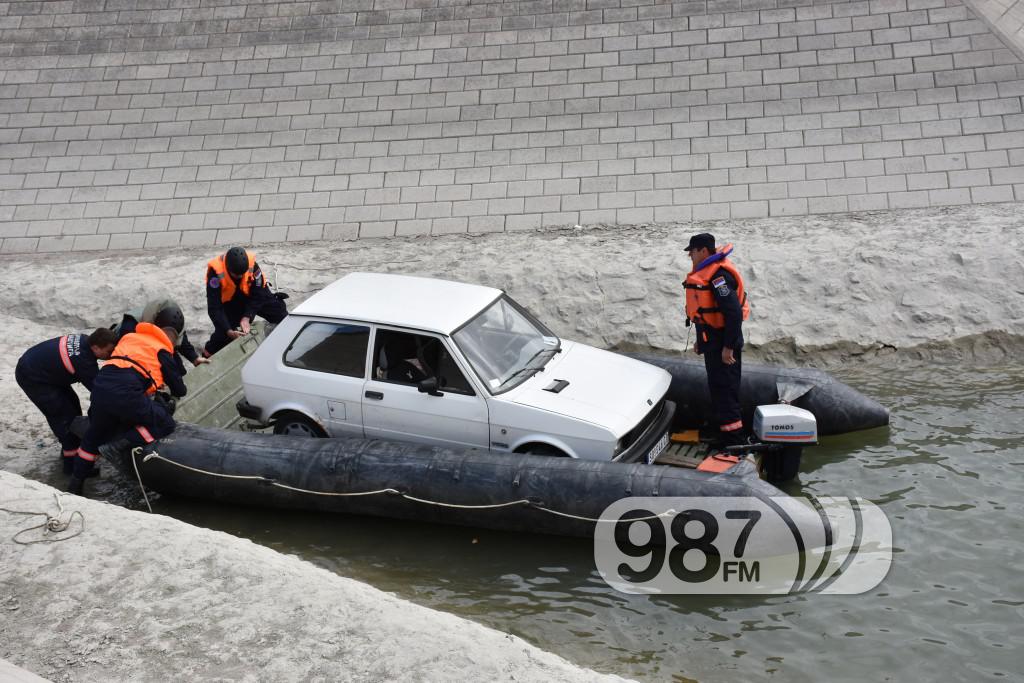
<point x="200" y="361"/>
<point x="234" y="334"/>
<point x="696" y="348"/>
<point x="244" y="324"/>
<point x="727" y="356"/>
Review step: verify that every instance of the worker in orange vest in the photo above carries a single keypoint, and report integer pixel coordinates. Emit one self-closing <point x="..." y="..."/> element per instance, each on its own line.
<point x="236" y="292"/>
<point x="128" y="407"/>
<point x="716" y="302"/>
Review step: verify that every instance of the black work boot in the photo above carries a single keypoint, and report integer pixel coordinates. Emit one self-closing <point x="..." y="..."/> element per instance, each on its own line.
<point x="76" y="485"/>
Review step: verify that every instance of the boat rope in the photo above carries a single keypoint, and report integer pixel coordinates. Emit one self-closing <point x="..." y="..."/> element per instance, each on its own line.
<point x="135" y="463"/>
<point x="52" y="525"/>
<point x="154" y="455"/>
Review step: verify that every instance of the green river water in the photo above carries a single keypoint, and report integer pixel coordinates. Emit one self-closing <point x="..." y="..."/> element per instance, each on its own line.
<point x="949" y="474"/>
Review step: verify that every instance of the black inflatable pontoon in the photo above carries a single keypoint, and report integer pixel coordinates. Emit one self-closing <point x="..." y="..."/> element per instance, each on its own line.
<point x="837" y="407"/>
<point x="525" y="492"/>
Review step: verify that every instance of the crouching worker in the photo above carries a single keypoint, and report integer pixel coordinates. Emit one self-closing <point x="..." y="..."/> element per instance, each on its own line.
<point x="126" y="410"/>
<point x="236" y="292"/>
<point x="46" y="373"/>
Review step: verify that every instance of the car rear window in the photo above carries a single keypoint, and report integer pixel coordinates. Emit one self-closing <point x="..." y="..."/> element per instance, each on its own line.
<point x="337" y="348"/>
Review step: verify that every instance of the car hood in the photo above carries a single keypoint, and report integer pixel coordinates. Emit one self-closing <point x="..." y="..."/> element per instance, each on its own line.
<point x="603" y="388"/>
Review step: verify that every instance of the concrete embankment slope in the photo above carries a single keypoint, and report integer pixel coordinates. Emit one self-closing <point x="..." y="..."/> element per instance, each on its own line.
<point x="139" y="596"/>
<point x="147" y="598"/>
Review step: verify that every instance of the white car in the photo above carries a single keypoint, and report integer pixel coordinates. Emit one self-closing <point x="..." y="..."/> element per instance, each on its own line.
<point x="450" y="364"/>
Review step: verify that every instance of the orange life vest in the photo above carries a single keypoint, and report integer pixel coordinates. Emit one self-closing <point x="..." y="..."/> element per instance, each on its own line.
<point x="138" y="350"/>
<point x="225" y="283"/>
<point x="701" y="305"/>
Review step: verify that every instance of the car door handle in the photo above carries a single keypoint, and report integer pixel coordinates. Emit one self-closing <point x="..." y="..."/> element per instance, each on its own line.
<point x="375" y="395"/>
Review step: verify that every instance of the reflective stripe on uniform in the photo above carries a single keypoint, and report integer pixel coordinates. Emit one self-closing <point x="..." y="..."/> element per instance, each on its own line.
<point x="732" y="426"/>
<point x="144" y="433"/>
<point x="62" y="345"/>
<point x="86" y="455"/>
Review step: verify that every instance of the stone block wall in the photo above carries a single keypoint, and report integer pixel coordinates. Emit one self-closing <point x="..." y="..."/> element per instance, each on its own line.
<point x="153" y="123"/>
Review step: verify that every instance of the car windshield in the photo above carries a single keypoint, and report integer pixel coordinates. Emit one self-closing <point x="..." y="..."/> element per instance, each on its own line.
<point x="506" y="345"/>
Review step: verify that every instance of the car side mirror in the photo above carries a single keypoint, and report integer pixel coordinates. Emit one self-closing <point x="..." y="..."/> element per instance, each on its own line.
<point x="429" y="386"/>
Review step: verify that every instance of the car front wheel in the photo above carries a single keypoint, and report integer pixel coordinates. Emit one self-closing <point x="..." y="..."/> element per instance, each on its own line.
<point x="296" y="424"/>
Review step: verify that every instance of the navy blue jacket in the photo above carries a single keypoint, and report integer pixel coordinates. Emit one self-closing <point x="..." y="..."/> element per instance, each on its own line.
<point x="259" y="295"/>
<point x="119" y="379"/>
<point x="61" y="362"/>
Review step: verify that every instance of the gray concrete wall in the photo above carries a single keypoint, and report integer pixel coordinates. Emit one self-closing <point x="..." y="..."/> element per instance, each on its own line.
<point x="153" y="123"/>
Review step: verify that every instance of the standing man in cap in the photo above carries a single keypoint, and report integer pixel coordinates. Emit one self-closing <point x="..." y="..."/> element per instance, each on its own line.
<point x="716" y="302"/>
<point x="236" y="292"/>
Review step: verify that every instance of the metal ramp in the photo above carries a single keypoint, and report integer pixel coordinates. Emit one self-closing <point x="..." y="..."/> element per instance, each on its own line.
<point x="215" y="388"/>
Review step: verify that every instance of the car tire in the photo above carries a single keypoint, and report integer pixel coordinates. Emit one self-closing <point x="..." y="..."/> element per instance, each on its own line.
<point x="542" y="449"/>
<point x="291" y="423"/>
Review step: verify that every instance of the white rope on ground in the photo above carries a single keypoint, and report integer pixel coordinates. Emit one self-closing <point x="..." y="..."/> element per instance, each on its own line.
<point x="490" y="506"/>
<point x="52" y="525"/>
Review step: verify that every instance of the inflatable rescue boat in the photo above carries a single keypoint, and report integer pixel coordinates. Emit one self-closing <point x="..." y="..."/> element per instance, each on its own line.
<point x="214" y="456"/>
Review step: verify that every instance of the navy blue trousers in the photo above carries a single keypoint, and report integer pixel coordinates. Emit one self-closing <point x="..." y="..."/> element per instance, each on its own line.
<point x="273" y="311"/>
<point x="58" y="404"/>
<point x="121" y="409"/>
<point x="724" y="387"/>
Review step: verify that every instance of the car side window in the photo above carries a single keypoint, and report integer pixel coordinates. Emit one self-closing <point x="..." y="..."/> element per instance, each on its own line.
<point x="408" y="358"/>
<point x="337" y="348"/>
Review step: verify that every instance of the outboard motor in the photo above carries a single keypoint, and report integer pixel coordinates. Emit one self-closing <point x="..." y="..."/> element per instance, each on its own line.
<point x="784" y="430"/>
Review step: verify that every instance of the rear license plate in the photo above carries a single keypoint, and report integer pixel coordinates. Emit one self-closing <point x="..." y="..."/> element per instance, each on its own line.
<point x="658" y="449"/>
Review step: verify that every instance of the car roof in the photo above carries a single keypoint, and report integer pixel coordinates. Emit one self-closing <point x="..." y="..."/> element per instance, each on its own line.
<point x="421" y="303"/>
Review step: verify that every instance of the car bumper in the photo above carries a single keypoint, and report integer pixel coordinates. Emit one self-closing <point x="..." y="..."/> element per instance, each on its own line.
<point x="658" y="429"/>
<point x="249" y="411"/>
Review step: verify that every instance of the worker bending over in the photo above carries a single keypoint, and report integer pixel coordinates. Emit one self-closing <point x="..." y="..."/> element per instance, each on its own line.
<point x="127" y="410"/>
<point x="47" y="373"/>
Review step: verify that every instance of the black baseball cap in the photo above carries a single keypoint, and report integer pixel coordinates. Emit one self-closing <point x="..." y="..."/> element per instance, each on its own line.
<point x="701" y="241"/>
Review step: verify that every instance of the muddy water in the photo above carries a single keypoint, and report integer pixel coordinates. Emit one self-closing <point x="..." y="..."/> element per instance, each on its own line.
<point x="949" y="474"/>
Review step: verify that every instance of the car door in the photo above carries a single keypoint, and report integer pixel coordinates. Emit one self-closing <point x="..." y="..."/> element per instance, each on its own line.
<point x="329" y="359"/>
<point x="394" y="407"/>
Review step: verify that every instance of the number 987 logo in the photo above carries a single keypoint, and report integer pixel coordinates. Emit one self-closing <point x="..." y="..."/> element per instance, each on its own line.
<point x="742" y="545"/>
